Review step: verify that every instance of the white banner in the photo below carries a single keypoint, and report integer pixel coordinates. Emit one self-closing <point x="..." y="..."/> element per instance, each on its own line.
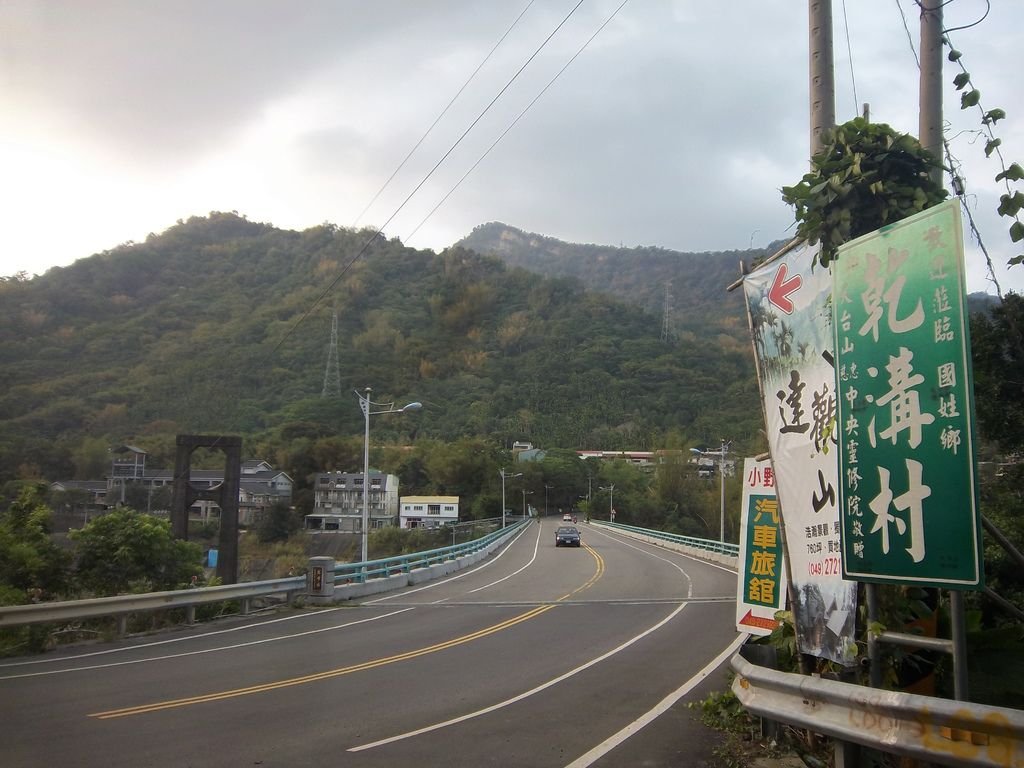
<point x="791" y="323"/>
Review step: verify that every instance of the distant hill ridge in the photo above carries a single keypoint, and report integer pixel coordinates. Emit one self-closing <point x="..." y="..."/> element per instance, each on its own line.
<point x="639" y="275"/>
<point x="644" y="275"/>
<point x="214" y="327"/>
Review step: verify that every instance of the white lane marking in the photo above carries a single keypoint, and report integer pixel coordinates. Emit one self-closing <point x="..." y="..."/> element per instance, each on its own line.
<point x="659" y="709"/>
<point x="622" y="538"/>
<point x="445" y="580"/>
<point x="524" y="695"/>
<point x="205" y="650"/>
<point x="536" y="548"/>
<point x="689" y="581"/>
<point x="255" y="625"/>
<point x="123" y="649"/>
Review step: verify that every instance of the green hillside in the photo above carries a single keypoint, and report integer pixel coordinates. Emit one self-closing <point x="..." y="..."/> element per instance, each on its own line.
<point x="214" y="326"/>
<point x="696" y="283"/>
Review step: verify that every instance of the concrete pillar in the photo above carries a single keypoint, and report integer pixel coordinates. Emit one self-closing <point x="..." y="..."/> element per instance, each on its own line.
<point x="320" y="580"/>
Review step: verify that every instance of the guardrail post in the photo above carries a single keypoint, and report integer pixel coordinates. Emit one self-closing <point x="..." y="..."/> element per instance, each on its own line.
<point x="320" y="580"/>
<point x="190" y="614"/>
<point x="846" y="754"/>
<point x="764" y="656"/>
<point x="122" y="625"/>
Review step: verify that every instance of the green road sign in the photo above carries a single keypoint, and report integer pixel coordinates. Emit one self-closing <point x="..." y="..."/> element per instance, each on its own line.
<point x="905" y="414"/>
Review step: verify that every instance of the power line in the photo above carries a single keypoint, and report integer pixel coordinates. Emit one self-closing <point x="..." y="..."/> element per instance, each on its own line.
<point x="906" y="28"/>
<point x="443" y="113"/>
<point x="376" y="234"/>
<point x="516" y="120"/>
<point x="951" y="160"/>
<point x="849" y="53"/>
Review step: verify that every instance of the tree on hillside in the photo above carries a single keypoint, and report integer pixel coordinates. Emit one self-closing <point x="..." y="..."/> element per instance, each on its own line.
<point x="129" y="551"/>
<point x="279" y="523"/>
<point x="997" y="352"/>
<point x="91" y="458"/>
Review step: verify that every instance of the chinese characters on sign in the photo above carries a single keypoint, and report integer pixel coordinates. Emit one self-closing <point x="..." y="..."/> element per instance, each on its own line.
<point x="793" y="341"/>
<point x="907" y="492"/>
<point x="761" y="588"/>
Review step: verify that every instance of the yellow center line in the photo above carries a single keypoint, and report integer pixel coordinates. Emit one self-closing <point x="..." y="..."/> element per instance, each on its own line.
<point x="328" y="674"/>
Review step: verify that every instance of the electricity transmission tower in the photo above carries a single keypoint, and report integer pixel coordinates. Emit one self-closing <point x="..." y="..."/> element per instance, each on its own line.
<point x="668" y="329"/>
<point x="332" y="373"/>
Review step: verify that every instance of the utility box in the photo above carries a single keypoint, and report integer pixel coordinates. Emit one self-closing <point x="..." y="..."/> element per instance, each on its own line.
<point x="320" y="580"/>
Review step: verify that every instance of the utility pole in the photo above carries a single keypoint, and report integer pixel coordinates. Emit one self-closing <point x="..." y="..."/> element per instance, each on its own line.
<point x="930" y="108"/>
<point x="822" y="75"/>
<point x="930" y="129"/>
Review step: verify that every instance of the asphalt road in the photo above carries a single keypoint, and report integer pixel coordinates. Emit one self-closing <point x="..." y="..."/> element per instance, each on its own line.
<point x="538" y="656"/>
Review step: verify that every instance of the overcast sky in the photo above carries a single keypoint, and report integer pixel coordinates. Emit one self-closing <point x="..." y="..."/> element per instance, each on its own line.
<point x="676" y="127"/>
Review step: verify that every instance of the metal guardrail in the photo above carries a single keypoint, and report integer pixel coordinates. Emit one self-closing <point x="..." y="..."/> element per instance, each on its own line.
<point x="122" y="606"/>
<point x="345" y="573"/>
<point x="941" y="731"/>
<point x="708" y="545"/>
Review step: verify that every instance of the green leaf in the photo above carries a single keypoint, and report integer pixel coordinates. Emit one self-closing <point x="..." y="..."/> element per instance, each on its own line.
<point x="961" y="80"/>
<point x="1013" y="173"/>
<point x="970" y="99"/>
<point x="993" y="116"/>
<point x="1010" y="205"/>
<point x="1017" y="232"/>
<point x="1016" y="260"/>
<point x="990" y="146"/>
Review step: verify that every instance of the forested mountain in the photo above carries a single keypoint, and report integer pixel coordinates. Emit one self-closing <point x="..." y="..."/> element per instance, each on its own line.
<point x="692" y="285"/>
<point x="222" y="325"/>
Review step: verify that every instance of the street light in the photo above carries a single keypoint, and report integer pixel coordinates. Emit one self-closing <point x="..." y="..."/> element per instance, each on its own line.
<point x="366" y="406"/>
<point x="611" y="495"/>
<point x="721" y="475"/>
<point x="525" y="494"/>
<point x="505" y="474"/>
<point x="546" y="489"/>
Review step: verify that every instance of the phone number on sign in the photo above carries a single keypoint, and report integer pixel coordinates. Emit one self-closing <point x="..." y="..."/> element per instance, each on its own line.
<point x="828" y="567"/>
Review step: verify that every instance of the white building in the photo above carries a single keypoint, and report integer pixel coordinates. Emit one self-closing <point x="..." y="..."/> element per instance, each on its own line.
<point x="428" y="511"/>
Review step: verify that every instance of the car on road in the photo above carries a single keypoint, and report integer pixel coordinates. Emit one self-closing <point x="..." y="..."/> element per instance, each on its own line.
<point x="566" y="518"/>
<point x="567" y="536"/>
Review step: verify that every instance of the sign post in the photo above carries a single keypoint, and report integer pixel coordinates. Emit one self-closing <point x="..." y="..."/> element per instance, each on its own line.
<point x="905" y="412"/>
<point x="761" y="588"/>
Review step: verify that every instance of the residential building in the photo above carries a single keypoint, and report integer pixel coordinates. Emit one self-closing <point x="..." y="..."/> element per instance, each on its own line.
<point x="428" y="511"/>
<point x="260" y="487"/>
<point x="338" y="501"/>
<point x="76" y="502"/>
<point x="639" y="458"/>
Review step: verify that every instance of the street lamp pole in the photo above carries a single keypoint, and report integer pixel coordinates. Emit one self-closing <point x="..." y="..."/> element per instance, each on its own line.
<point x="503" y="476"/>
<point x="546" y="489"/>
<point x="722" y="451"/>
<point x="611" y="496"/>
<point x="721" y="479"/>
<point x="366" y="406"/>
